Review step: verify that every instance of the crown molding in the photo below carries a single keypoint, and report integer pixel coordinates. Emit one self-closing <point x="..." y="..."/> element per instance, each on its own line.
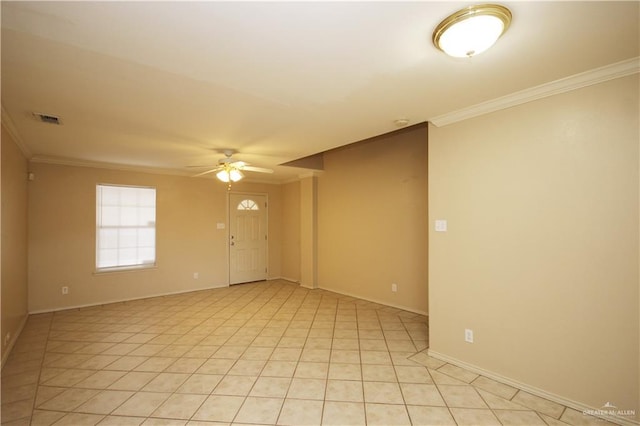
<point x="7" y="123"/>
<point x="291" y="180"/>
<point x="577" y="81"/>
<point x="64" y="161"/>
<point x="258" y="181"/>
<point x="314" y="173"/>
<point x="301" y="177"/>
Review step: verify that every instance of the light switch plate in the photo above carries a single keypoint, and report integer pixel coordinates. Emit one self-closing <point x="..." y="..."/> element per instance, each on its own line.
<point x="441" y="225"/>
<point x="220" y="225"/>
<point x="468" y="335"/>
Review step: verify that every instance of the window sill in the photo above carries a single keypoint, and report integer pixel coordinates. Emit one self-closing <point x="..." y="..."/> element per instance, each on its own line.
<point x="120" y="269"/>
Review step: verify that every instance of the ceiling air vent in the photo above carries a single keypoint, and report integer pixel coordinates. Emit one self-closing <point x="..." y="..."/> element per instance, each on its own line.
<point x="47" y="118"/>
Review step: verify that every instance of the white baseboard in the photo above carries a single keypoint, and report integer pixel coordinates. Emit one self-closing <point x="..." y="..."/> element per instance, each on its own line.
<point x="404" y="308"/>
<point x="293" y="280"/>
<point x="107" y="302"/>
<point x="531" y="389"/>
<point x="14" y="339"/>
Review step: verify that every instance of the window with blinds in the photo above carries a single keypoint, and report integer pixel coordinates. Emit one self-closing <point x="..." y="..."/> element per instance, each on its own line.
<point x="125" y="227"/>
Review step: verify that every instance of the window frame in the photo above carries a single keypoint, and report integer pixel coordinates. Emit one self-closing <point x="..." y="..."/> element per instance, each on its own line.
<point x="124" y="268"/>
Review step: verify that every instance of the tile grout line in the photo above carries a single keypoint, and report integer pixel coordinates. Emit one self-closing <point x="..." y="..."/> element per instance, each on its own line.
<point x="35" y="397"/>
<point x="249" y="392"/>
<point x="157" y="375"/>
<point x="194" y="372"/>
<point x="227" y="373"/>
<point x="405" y="405"/>
<point x="162" y="326"/>
<point x="326" y="383"/>
<point x="301" y="351"/>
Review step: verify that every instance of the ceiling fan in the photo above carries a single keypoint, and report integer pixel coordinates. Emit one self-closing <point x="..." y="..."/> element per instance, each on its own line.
<point x="230" y="170"/>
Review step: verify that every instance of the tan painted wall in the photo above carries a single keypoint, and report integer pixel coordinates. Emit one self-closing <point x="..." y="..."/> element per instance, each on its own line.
<point x="372" y="220"/>
<point x="62" y="236"/>
<point x="541" y="255"/>
<point x="14" y="240"/>
<point x="309" y="232"/>
<point x="291" y="231"/>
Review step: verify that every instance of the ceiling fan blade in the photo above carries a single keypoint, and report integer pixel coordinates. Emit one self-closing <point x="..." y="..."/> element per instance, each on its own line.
<point x="207" y="172"/>
<point x="257" y="169"/>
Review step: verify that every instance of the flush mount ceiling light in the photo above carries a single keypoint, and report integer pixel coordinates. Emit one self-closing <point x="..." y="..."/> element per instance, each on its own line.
<point x="472" y="30"/>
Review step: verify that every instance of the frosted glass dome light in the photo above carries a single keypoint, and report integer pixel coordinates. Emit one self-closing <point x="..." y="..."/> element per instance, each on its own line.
<point x="229" y="175"/>
<point x="472" y="30"/>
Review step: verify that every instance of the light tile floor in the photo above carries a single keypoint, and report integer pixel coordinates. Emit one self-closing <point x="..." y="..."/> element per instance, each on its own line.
<point x="262" y="353"/>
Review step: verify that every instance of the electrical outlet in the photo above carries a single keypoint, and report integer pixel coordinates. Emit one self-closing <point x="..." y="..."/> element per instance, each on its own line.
<point x="468" y="335"/>
<point x="394" y="287"/>
<point x="196" y="275"/>
<point x="7" y="338"/>
<point x="441" y="225"/>
<point x="65" y="289"/>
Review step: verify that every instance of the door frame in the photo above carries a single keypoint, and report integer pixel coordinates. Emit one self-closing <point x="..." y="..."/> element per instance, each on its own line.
<point x="228" y="236"/>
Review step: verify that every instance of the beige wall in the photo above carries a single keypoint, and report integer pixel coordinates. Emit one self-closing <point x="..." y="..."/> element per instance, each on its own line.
<point x="309" y="231"/>
<point x="291" y="231"/>
<point x="62" y="236"/>
<point x="372" y="220"/>
<point x="14" y="240"/>
<point x="541" y="255"/>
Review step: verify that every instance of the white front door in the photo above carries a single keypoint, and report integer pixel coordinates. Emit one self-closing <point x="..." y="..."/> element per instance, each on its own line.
<point x="247" y="238"/>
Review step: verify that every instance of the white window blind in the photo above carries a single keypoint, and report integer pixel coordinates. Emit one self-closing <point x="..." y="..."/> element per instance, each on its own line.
<point x="126" y="227"/>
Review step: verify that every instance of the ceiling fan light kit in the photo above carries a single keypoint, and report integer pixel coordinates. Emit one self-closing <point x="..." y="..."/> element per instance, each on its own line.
<point x="229" y="175"/>
<point x="230" y="170"/>
<point x="472" y="30"/>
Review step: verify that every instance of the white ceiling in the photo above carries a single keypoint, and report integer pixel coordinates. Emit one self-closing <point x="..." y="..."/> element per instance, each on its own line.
<point x="165" y="84"/>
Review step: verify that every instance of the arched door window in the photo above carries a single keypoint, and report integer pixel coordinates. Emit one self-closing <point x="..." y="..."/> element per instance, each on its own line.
<point x="248" y="205"/>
